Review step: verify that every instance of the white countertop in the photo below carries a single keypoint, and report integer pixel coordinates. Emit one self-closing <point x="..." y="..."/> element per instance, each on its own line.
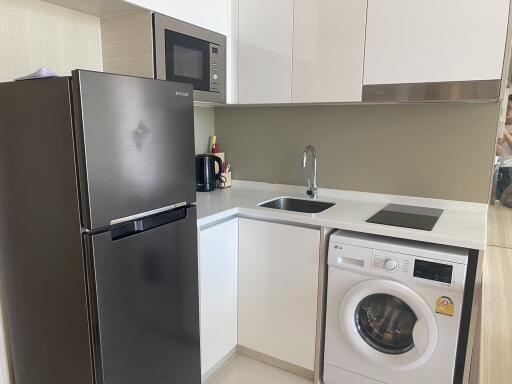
<point x="461" y="225"/>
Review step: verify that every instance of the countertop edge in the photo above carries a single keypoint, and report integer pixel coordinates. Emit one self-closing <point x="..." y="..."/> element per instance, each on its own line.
<point x="374" y="229"/>
<point x="243" y="199"/>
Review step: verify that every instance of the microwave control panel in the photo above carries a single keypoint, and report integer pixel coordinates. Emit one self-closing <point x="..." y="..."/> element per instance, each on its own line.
<point x="215" y="72"/>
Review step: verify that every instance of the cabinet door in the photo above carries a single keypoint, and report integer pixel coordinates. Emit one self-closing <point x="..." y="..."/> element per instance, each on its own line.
<point x="416" y="41"/>
<point x="278" y="286"/>
<point x="209" y="14"/>
<point x="328" y="50"/>
<point x="265" y="51"/>
<point x="218" y="273"/>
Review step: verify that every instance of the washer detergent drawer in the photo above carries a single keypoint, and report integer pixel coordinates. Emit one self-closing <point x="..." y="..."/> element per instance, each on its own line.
<point x="350" y="257"/>
<point x="335" y="375"/>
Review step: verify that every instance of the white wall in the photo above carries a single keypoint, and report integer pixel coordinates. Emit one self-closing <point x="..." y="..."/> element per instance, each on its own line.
<point x="35" y="34"/>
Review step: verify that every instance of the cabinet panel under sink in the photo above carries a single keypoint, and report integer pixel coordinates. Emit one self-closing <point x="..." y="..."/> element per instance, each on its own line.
<point x="278" y="286"/>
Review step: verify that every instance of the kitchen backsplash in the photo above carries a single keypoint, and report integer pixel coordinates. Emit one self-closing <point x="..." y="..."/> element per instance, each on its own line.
<point x="204" y="127"/>
<point x="427" y="150"/>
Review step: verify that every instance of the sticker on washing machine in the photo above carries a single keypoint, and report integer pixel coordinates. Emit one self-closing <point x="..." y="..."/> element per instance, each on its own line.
<point x="445" y="306"/>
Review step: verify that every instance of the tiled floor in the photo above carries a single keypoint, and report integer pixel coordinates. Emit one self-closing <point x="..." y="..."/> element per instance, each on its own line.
<point x="243" y="370"/>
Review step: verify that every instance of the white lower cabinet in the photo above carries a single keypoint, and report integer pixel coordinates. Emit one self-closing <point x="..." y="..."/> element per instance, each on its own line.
<point x="277" y="290"/>
<point x="218" y="277"/>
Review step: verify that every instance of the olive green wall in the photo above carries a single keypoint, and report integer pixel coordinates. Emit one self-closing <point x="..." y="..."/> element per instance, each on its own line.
<point x="204" y="127"/>
<point x="428" y="150"/>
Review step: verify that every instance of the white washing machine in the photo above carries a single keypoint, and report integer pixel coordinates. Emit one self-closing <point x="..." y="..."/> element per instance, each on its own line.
<point x="393" y="310"/>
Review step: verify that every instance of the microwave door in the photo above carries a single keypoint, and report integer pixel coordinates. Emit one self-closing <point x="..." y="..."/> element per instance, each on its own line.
<point x="187" y="60"/>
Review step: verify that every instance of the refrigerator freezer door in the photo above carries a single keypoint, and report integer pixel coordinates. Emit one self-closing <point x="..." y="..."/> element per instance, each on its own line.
<point x="147" y="305"/>
<point x="135" y="141"/>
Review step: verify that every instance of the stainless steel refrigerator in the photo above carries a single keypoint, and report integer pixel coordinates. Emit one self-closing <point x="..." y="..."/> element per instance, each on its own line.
<point x="98" y="237"/>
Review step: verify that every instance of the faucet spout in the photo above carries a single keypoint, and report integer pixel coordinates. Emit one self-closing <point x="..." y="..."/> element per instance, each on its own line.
<point x="312" y="186"/>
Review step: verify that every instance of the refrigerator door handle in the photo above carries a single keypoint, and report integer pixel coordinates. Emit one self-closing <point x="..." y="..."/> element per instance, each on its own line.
<point x="148" y="213"/>
<point x="143" y="222"/>
<point x="134" y="227"/>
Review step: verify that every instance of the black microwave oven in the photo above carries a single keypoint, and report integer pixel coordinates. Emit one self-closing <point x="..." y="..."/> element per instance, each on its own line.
<point x="190" y="54"/>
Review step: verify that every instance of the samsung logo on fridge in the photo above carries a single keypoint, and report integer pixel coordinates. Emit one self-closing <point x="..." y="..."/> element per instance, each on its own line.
<point x="182" y="93"/>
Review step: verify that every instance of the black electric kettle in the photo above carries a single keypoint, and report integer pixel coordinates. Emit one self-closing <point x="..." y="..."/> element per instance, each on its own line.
<point x="206" y="177"/>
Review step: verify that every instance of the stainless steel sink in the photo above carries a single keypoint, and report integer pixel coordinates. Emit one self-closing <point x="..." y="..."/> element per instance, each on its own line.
<point x="298" y="205"/>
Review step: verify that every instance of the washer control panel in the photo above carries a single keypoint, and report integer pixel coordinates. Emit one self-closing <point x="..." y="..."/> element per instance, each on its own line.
<point x="398" y="260"/>
<point x="390" y="262"/>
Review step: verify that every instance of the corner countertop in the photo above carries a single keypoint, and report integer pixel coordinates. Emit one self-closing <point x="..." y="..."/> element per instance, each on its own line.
<point x="462" y="224"/>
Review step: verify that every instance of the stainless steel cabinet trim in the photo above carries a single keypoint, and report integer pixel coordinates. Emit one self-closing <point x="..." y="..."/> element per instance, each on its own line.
<point x="478" y="90"/>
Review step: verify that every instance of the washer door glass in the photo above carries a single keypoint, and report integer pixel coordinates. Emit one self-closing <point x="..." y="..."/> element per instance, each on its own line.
<point x="386" y="323"/>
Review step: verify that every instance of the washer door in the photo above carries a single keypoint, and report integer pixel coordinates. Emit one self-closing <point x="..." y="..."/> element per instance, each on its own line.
<point x="389" y="324"/>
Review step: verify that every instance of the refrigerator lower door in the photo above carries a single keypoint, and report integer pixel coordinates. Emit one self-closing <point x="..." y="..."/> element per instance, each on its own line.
<point x="145" y="305"/>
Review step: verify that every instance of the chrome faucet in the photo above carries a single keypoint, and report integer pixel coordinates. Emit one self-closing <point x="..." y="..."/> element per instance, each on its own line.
<point x="312" y="187"/>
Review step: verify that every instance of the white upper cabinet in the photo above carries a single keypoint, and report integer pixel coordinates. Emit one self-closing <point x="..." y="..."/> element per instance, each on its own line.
<point x="209" y="14"/>
<point x="301" y="51"/>
<point x="328" y="50"/>
<point x="265" y="51"/>
<point x="418" y="41"/>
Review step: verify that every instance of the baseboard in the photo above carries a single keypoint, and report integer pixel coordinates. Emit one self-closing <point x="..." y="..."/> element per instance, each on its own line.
<point x="217" y="368"/>
<point x="269" y="360"/>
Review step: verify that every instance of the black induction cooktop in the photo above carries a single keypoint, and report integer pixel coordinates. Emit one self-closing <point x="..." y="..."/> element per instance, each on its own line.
<point x="407" y="216"/>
